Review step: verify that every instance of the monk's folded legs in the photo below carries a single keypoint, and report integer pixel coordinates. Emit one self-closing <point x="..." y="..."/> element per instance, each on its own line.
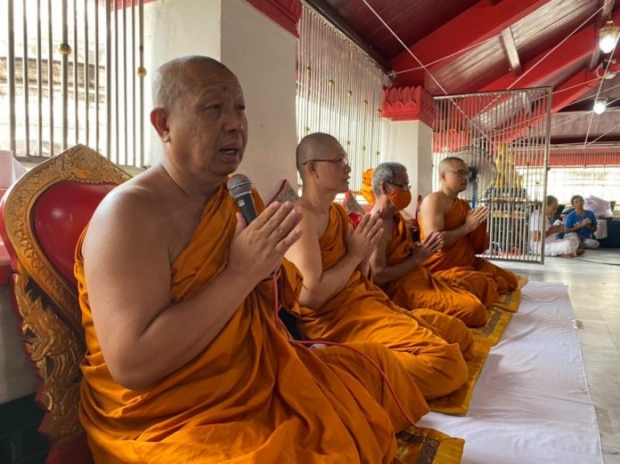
<point x="438" y="369"/>
<point x="348" y="359"/>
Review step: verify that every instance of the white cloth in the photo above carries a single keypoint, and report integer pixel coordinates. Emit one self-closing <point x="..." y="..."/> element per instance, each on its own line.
<point x="531" y="403"/>
<point x="554" y="246"/>
<point x="601" y="229"/>
<point x="10" y="169"/>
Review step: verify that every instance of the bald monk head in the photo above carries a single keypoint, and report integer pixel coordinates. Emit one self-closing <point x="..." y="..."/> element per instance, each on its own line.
<point x="199" y="116"/>
<point x="453" y="174"/>
<point x="323" y="164"/>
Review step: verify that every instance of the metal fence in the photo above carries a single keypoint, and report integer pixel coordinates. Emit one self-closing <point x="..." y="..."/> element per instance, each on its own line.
<point x="71" y="71"/>
<point x="494" y="133"/>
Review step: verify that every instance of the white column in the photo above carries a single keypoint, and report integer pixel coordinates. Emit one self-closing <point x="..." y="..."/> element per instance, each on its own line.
<point x="410" y="143"/>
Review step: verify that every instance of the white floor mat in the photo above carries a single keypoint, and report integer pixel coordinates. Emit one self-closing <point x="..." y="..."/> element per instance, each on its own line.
<point x="531" y="403"/>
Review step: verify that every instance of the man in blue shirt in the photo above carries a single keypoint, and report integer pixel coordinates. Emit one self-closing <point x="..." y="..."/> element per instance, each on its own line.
<point x="583" y="223"/>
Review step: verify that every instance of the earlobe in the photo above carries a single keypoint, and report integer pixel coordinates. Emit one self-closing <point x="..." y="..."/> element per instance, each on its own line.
<point x="159" y="121"/>
<point x="383" y="187"/>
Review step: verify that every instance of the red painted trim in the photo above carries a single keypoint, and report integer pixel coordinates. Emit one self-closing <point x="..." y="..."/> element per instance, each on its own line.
<point x="408" y="104"/>
<point x="284" y="12"/>
<point x="574" y="157"/>
<point x="478" y="23"/>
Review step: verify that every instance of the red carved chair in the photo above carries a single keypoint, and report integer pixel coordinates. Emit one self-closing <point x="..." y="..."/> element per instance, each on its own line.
<point x="41" y="219"/>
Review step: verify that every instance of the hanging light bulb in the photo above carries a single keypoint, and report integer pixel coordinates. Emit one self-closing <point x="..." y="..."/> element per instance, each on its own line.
<point x="600" y="106"/>
<point x="608" y="37"/>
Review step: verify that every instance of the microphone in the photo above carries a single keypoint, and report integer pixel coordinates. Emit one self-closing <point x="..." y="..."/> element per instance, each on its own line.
<point x="240" y="188"/>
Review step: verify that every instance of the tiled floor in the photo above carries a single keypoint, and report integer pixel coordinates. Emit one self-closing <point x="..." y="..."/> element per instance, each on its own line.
<point x="594" y="286"/>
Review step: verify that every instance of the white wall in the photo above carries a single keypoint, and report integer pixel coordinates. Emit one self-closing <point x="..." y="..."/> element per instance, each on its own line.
<point x="263" y="56"/>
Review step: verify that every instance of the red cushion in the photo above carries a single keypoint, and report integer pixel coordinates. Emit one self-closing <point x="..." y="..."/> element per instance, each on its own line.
<point x="60" y="215"/>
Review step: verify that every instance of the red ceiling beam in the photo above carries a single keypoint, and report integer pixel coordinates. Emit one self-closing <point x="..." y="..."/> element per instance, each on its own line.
<point x="577" y="86"/>
<point x="537" y="72"/>
<point x="478" y="23"/>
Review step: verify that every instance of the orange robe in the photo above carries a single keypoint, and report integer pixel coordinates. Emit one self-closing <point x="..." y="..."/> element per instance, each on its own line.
<point x="251" y="395"/>
<point x="418" y="288"/>
<point x="362" y="312"/>
<point x="458" y="261"/>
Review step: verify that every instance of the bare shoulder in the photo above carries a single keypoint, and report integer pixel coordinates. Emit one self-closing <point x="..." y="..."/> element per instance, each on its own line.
<point x="132" y="214"/>
<point x="437" y="201"/>
<point x="309" y="219"/>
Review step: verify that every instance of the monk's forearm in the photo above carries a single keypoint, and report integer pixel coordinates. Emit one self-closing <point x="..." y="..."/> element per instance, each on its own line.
<point x="180" y="332"/>
<point x="396" y="271"/>
<point x="452" y="236"/>
<point x="314" y="295"/>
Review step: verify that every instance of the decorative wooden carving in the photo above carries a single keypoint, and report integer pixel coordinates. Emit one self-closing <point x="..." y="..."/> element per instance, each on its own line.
<point x="53" y="335"/>
<point x="408" y="104"/>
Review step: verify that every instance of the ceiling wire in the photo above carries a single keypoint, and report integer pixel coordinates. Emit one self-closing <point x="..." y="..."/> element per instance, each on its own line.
<point x="556" y="47"/>
<point x="428" y="72"/>
<point x="438" y="60"/>
<point x="598" y="92"/>
<point x="519" y="78"/>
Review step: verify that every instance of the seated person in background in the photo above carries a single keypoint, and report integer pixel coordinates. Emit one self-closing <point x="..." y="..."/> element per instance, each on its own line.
<point x="583" y="223"/>
<point x="397" y="261"/>
<point x="554" y="246"/>
<point x="464" y="235"/>
<point x="338" y="302"/>
<point x="186" y="360"/>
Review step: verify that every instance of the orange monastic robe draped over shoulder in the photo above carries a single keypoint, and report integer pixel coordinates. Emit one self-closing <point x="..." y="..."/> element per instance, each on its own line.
<point x="251" y="396"/>
<point x="459" y="260"/>
<point x="420" y="289"/>
<point x="361" y="312"/>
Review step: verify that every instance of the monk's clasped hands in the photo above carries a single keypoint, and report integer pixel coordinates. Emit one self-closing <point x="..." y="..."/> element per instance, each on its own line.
<point x="362" y="241"/>
<point x="258" y="248"/>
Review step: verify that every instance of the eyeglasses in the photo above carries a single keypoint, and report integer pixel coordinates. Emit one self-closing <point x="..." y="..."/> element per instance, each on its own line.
<point x="343" y="162"/>
<point x="403" y="187"/>
<point x="460" y="172"/>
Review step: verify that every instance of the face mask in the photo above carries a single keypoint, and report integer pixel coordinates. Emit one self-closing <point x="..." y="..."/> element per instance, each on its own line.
<point x="400" y="199"/>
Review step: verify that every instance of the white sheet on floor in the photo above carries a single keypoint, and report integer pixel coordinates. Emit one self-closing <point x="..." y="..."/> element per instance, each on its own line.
<point x="531" y="403"/>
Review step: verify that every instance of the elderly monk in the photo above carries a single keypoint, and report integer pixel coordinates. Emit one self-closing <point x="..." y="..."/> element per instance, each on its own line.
<point x="397" y="261"/>
<point x="339" y="303"/>
<point x="187" y="361"/>
<point x="464" y="234"/>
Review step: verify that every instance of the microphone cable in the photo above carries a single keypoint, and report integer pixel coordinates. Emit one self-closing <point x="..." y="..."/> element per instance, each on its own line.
<point x="344" y="345"/>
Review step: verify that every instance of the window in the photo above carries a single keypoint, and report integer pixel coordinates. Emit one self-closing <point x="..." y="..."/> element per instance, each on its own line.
<point x="71" y="71"/>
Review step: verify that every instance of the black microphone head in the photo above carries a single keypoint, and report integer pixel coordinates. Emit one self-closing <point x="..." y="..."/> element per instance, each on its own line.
<point x="239" y="185"/>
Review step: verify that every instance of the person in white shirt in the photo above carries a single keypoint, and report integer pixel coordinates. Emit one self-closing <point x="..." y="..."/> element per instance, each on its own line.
<point x="554" y="246"/>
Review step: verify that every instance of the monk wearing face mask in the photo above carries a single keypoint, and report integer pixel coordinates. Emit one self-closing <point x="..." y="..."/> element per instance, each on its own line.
<point x="339" y="302"/>
<point x="397" y="260"/>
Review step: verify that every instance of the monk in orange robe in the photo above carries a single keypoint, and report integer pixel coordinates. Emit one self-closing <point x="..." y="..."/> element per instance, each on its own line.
<point x="339" y="302"/>
<point x="186" y="360"/>
<point x="397" y="261"/>
<point x="464" y="235"/>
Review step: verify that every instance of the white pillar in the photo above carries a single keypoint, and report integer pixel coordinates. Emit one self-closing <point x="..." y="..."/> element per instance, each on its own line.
<point x="410" y="143"/>
<point x="408" y="137"/>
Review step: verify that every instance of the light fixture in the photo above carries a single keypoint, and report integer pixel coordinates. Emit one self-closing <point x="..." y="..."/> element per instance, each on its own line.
<point x="602" y="70"/>
<point x="608" y="37"/>
<point x="600" y="105"/>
